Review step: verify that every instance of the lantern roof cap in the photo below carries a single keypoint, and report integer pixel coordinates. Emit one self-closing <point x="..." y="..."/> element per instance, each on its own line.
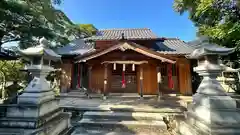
<point x="41" y="50"/>
<point x="210" y="49"/>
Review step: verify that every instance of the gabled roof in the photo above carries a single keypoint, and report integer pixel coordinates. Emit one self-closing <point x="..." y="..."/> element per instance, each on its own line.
<point x="173" y="46"/>
<point x="129" y="34"/>
<point x="76" y="47"/>
<point x="124" y="46"/>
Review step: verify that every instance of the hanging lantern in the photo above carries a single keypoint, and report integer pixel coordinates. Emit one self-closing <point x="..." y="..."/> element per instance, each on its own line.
<point x="124" y="67"/>
<point x="133" y="67"/>
<point x="114" y="66"/>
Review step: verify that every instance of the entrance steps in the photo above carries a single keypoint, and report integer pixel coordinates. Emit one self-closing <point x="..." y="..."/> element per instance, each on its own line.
<point x="123" y="114"/>
<point x="122" y="121"/>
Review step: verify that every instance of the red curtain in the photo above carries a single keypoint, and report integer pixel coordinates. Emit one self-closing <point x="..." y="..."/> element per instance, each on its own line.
<point x="170" y="80"/>
<point x="123" y="80"/>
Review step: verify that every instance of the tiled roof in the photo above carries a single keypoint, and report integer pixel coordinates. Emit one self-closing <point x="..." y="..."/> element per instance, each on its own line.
<point x="172" y="46"/>
<point x="130" y="34"/>
<point x="76" y="47"/>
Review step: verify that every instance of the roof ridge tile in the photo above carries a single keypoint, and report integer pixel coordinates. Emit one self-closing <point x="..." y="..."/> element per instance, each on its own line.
<point x="110" y="29"/>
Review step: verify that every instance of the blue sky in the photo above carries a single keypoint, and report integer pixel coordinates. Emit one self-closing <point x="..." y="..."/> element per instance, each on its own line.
<point x="157" y="15"/>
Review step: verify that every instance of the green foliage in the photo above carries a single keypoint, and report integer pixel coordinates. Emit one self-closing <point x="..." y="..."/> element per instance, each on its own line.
<point x="217" y="19"/>
<point x="10" y="70"/>
<point x="89" y="29"/>
<point x="28" y="20"/>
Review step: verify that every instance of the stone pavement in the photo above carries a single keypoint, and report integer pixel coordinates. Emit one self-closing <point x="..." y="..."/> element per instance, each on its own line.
<point x="119" y="102"/>
<point x="120" y="131"/>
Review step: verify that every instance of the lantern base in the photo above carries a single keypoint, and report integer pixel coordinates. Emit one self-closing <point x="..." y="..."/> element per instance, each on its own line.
<point x="211" y="115"/>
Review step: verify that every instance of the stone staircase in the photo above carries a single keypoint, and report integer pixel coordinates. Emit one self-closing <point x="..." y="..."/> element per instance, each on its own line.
<point x="122" y="121"/>
<point x="122" y="113"/>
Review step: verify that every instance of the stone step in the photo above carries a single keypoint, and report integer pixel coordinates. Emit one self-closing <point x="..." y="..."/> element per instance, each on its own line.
<point x="124" y="115"/>
<point x="120" y="123"/>
<point x="122" y="108"/>
<point x="100" y="132"/>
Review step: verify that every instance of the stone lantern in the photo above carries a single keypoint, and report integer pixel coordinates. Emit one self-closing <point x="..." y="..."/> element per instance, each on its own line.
<point x="40" y="57"/>
<point x="213" y="111"/>
<point x="37" y="110"/>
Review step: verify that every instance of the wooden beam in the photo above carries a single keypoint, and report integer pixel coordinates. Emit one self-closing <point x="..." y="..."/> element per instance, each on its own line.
<point x="127" y="62"/>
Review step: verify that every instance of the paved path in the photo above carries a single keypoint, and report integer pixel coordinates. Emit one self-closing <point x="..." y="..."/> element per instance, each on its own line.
<point x="150" y="103"/>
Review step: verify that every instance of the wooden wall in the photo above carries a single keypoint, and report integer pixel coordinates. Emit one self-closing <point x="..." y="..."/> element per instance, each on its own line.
<point x="105" y="44"/>
<point x="184" y="76"/>
<point x="149" y="78"/>
<point x="96" y="84"/>
<point x="149" y="71"/>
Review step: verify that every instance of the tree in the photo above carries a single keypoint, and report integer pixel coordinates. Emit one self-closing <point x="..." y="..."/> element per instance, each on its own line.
<point x="10" y="72"/>
<point x="27" y="20"/>
<point x="217" y="19"/>
<point x="89" y="29"/>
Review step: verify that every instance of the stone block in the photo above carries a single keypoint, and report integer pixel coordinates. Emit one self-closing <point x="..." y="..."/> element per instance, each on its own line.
<point x="185" y="128"/>
<point x="214" y="102"/>
<point x="35" y="98"/>
<point x="32" y="111"/>
<point x="21" y="122"/>
<point x="54" y="127"/>
<point x="228" y="116"/>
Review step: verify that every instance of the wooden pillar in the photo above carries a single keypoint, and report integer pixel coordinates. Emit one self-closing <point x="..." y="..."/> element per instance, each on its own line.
<point x="159" y="81"/>
<point x="141" y="81"/>
<point x="90" y="77"/>
<point x="81" y="76"/>
<point x="105" y="80"/>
